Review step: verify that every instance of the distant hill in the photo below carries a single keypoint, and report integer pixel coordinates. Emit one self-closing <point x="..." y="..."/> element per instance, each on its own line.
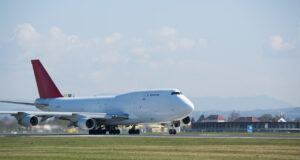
<point x="238" y="103"/>
<point x="245" y="106"/>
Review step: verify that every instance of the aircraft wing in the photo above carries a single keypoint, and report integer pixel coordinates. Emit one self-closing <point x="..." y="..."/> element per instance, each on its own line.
<point x="25" y="103"/>
<point x="70" y="115"/>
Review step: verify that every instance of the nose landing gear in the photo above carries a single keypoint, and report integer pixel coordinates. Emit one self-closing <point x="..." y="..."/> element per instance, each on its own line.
<point x="172" y="131"/>
<point x="101" y="130"/>
<point x="174" y="124"/>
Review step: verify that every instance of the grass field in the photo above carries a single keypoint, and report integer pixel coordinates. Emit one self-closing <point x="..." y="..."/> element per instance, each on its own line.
<point x="234" y="133"/>
<point x="147" y="148"/>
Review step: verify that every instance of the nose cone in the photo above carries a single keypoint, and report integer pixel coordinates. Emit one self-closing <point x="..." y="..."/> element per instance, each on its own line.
<point x="187" y="105"/>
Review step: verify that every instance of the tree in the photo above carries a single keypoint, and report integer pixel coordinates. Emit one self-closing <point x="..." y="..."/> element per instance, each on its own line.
<point x="288" y="119"/>
<point x="193" y="120"/>
<point x="201" y="118"/>
<point x="266" y="118"/>
<point x="233" y="115"/>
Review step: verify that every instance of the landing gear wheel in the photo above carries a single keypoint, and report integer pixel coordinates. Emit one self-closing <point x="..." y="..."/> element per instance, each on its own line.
<point x="137" y="131"/>
<point x="97" y="131"/>
<point x="115" y="131"/>
<point x="172" y="131"/>
<point x="112" y="129"/>
<point x="134" y="131"/>
<point x="91" y="132"/>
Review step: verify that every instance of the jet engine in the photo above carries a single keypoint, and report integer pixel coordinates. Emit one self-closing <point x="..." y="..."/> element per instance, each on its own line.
<point x="28" y="121"/>
<point x="86" y="123"/>
<point x="186" y="120"/>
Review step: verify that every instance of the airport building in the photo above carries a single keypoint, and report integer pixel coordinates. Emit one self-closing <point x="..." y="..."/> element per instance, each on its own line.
<point x="243" y="126"/>
<point x="214" y="118"/>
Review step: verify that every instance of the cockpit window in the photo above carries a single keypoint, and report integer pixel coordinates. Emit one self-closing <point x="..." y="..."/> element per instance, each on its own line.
<point x="173" y="93"/>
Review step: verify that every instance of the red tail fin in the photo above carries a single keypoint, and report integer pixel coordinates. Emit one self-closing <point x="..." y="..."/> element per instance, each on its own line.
<point x="46" y="87"/>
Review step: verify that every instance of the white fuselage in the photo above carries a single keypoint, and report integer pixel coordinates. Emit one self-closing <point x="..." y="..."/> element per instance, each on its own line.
<point x="148" y="106"/>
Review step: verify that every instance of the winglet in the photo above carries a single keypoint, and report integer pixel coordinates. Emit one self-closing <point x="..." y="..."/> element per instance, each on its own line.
<point x="46" y="87"/>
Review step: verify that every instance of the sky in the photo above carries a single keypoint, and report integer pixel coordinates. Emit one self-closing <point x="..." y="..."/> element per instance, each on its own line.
<point x="204" y="48"/>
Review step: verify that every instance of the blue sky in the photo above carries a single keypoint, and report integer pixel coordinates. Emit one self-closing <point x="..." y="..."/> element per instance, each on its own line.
<point x="204" y="48"/>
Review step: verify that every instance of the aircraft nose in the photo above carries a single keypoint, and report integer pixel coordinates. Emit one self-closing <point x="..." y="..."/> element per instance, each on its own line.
<point x="188" y="105"/>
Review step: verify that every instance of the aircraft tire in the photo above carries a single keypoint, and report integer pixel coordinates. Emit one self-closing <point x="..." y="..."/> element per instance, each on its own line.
<point x="130" y="131"/>
<point x="134" y="131"/>
<point x="172" y="131"/>
<point x="112" y="132"/>
<point x="91" y="132"/>
<point x="137" y="131"/>
<point x="96" y="132"/>
<point x="101" y="131"/>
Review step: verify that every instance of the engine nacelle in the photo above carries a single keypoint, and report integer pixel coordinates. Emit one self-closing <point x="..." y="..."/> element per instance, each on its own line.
<point x="186" y="120"/>
<point x="28" y="121"/>
<point x="86" y="123"/>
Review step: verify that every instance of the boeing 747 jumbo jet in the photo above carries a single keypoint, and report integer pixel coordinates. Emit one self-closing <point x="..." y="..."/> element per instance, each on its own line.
<point x="100" y="115"/>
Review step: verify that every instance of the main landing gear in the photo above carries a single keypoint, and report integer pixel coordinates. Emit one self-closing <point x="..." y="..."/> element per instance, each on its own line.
<point x="98" y="131"/>
<point x="172" y="131"/>
<point x="112" y="130"/>
<point x="133" y="130"/>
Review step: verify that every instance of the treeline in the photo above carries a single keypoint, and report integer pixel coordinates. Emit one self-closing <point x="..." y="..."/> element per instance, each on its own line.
<point x="263" y="118"/>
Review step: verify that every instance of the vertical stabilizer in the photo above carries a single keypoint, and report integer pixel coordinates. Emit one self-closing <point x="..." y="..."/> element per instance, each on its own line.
<point x="46" y="87"/>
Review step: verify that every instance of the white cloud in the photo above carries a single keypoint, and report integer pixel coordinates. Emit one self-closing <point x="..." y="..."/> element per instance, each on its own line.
<point x="113" y="57"/>
<point x="56" y="33"/>
<point x="168" y="38"/>
<point x="276" y="46"/>
<point x="27" y="36"/>
<point x="68" y="42"/>
<point x="138" y="50"/>
<point x="25" y="32"/>
<point x="28" y="39"/>
<point x="276" y="43"/>
<point x="164" y="34"/>
<point x="202" y="42"/>
<point x="60" y="45"/>
<point x="172" y="45"/>
<point x="138" y="46"/>
<point x="167" y="32"/>
<point x="187" y="43"/>
<point x="114" y="38"/>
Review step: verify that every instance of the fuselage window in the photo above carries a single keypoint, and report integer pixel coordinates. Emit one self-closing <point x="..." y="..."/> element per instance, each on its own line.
<point x="173" y="93"/>
<point x="154" y="94"/>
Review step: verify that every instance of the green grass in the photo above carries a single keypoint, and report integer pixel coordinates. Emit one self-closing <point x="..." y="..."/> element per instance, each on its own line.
<point x="147" y="148"/>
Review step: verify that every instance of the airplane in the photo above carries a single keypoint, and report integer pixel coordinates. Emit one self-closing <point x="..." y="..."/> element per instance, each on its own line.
<point x="103" y="114"/>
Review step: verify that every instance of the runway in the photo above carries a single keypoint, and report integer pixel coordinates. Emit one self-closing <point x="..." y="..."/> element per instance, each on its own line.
<point x="160" y="136"/>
